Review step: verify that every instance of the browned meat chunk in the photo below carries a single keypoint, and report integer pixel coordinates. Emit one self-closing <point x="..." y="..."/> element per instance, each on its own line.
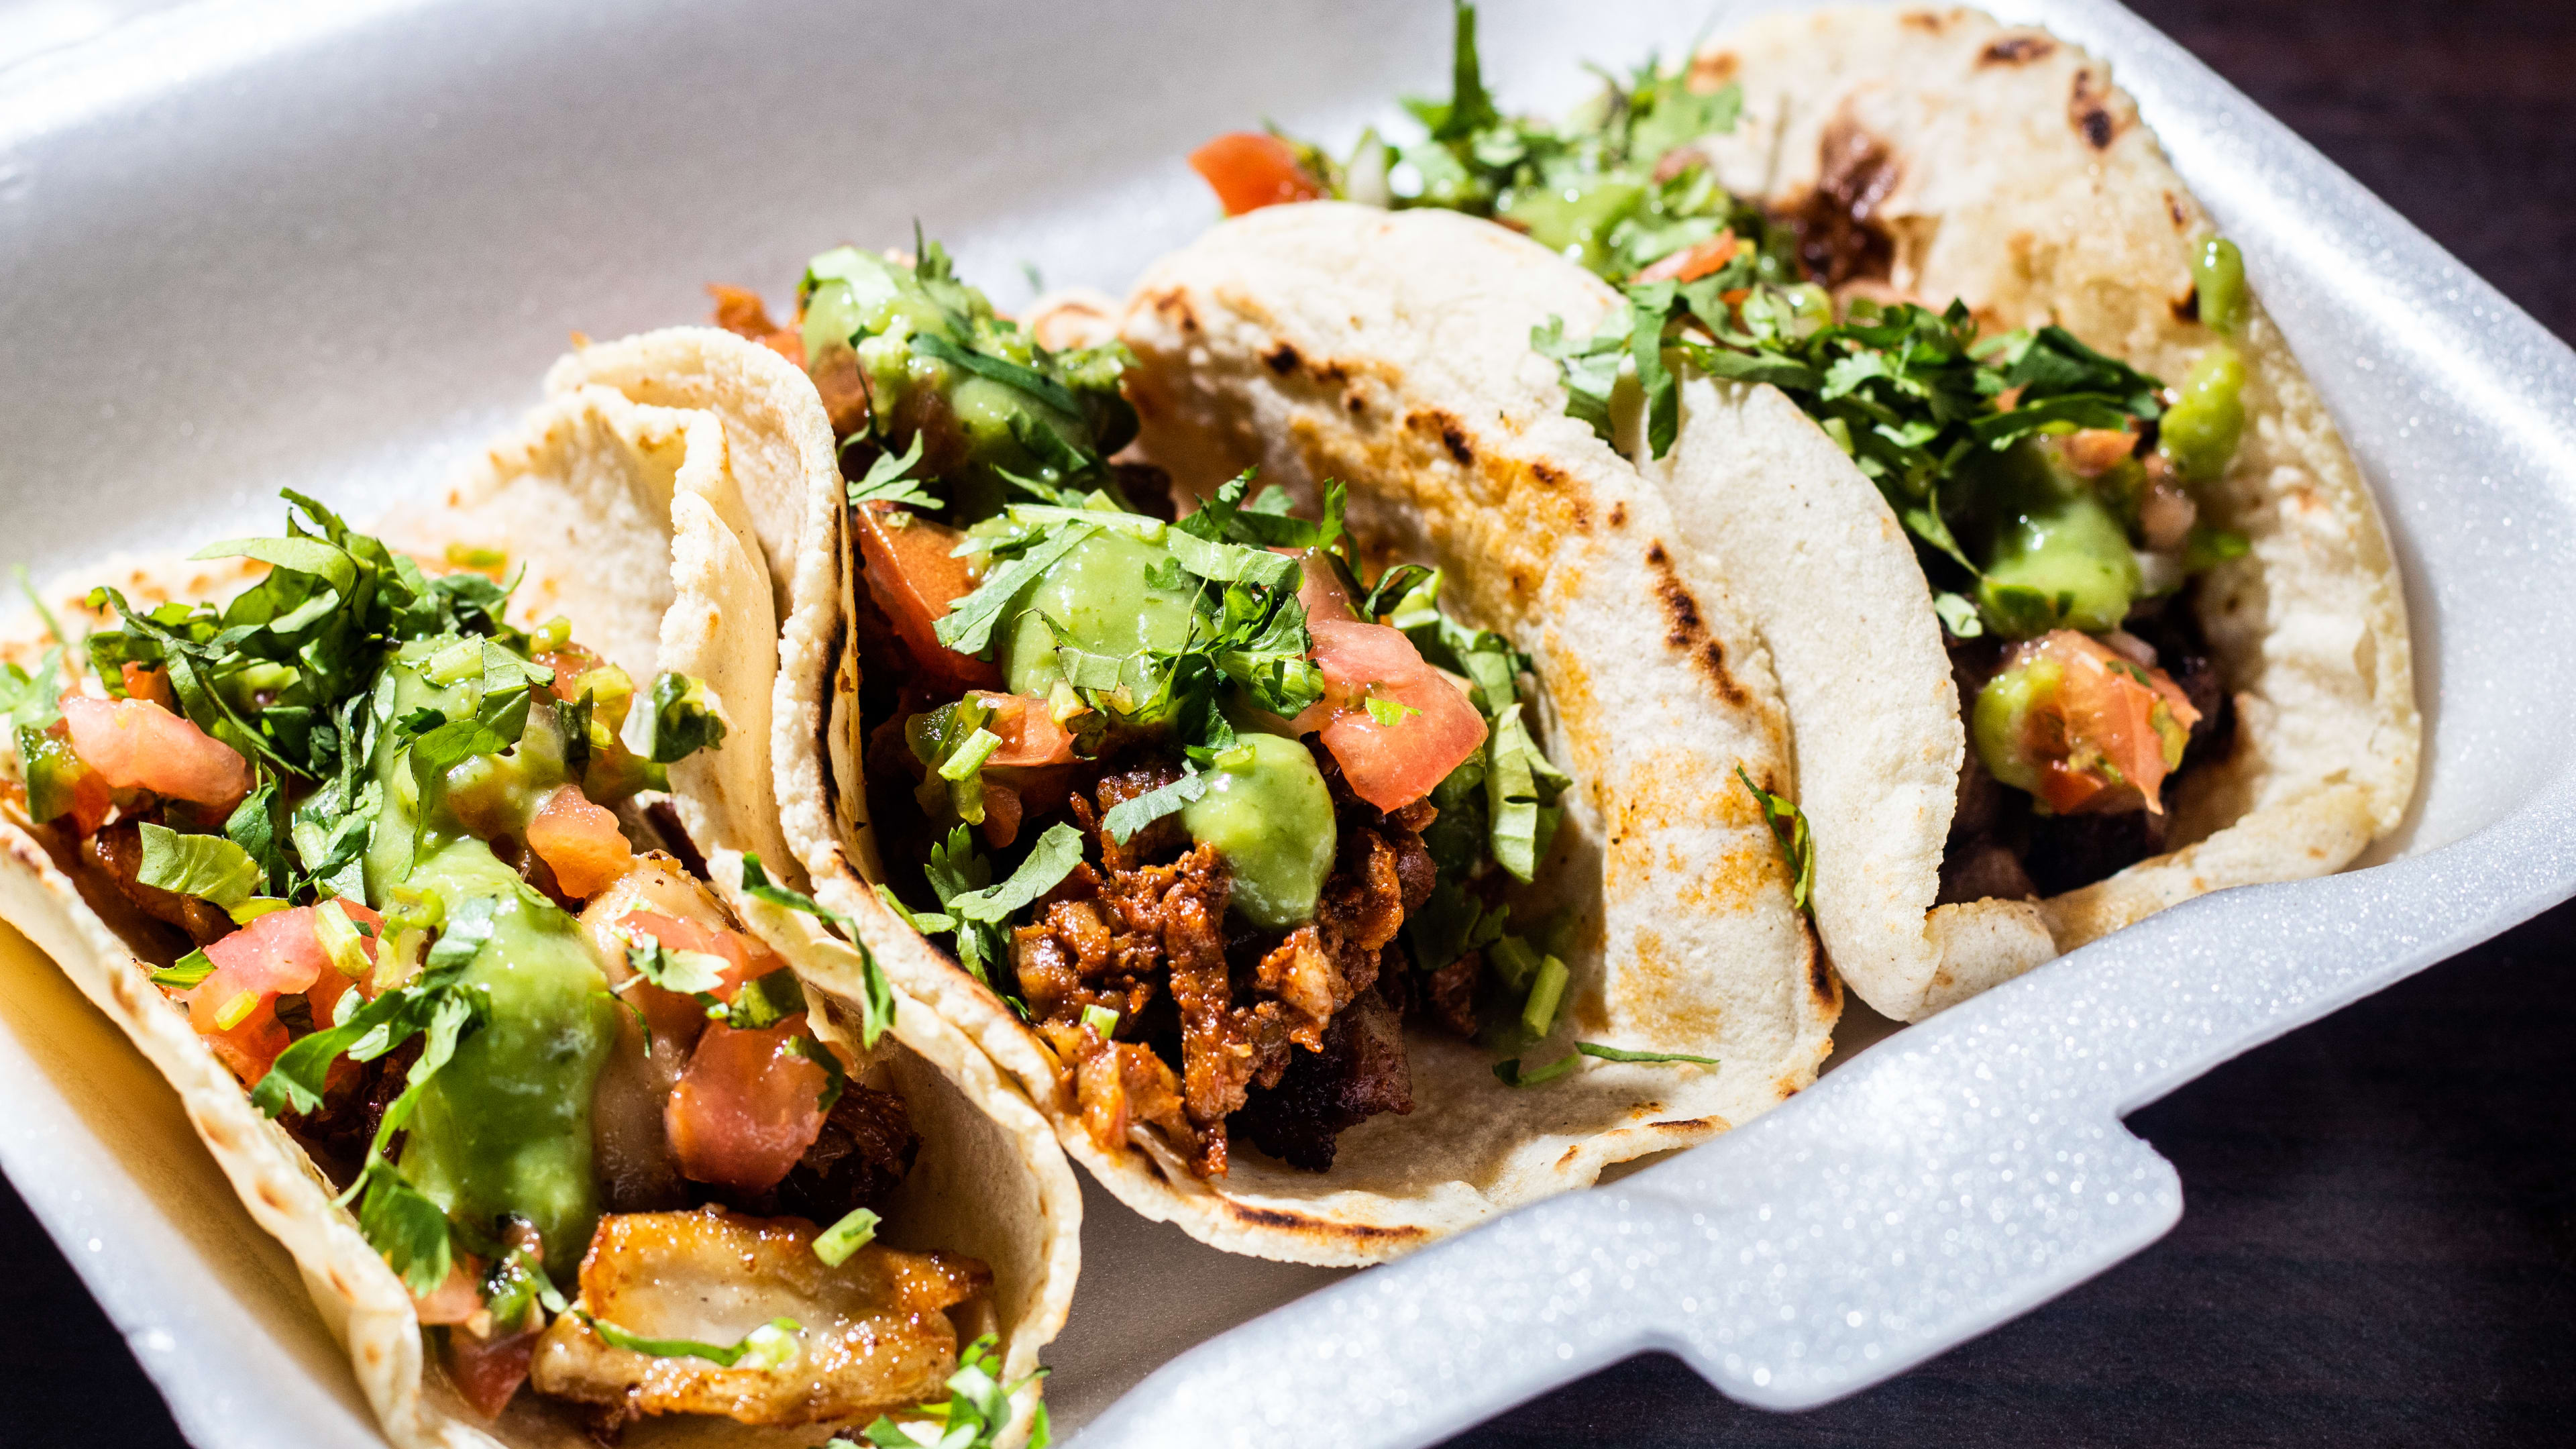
<point x="873" y="1334"/>
<point x="1359" y="1072"/>
<point x="866" y="1147"/>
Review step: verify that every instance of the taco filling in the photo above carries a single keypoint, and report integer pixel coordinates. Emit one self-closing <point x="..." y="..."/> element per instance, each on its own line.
<point x="1216" y="808"/>
<point x="399" y="864"/>
<point x="2054" y="495"/>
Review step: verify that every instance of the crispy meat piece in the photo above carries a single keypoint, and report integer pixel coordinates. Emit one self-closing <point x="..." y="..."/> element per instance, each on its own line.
<point x="875" y="1331"/>
<point x="1148" y="922"/>
<point x="1358" y="1072"/>
<point x="866" y="1147"/>
<point x="740" y="311"/>
<point x="1448" y="995"/>
<point x="354" y="1098"/>
<point x="2067" y="851"/>
<point x="1117" y="1083"/>
<point x="117" y="850"/>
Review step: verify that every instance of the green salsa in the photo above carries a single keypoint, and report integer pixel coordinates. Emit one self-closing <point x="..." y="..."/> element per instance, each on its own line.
<point x="505" y="1127"/>
<point x="1272" y="818"/>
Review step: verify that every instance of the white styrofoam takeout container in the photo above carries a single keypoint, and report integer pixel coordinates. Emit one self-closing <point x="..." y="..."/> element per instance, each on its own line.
<point x="333" y="246"/>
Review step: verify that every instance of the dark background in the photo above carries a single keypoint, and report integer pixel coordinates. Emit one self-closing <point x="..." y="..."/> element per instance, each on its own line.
<point x="2379" y="1239"/>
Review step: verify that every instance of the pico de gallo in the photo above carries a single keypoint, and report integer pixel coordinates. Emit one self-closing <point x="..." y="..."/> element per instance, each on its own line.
<point x="402" y="867"/>
<point x="1215" y="809"/>
<point x="2054" y="495"/>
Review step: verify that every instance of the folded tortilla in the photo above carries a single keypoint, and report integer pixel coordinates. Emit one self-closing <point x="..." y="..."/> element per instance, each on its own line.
<point x="2005" y="169"/>
<point x="1391" y="352"/>
<point x="630" y="520"/>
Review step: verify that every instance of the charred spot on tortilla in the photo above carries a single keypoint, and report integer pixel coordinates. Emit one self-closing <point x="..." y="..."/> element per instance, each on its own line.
<point x="1299" y="1222"/>
<point x="2020" y="48"/>
<point x="1688" y="631"/>
<point x="2173" y="208"/>
<point x="1452" y="433"/>
<point x="1619" y="515"/>
<point x="1820" y="976"/>
<point x="1548" y="475"/>
<point x="1840" y="238"/>
<point x="1930" y="22"/>
<point x="2084" y="107"/>
<point x="1281" y="359"/>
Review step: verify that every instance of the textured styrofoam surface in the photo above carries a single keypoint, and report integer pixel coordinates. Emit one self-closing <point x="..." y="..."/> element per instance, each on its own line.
<point x="333" y="246"/>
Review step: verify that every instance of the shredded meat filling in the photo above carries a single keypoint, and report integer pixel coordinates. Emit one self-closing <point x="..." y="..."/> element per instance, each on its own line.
<point x="1143" y="934"/>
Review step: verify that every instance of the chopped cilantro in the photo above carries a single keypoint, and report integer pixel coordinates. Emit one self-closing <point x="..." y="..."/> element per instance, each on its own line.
<point x="876" y="994"/>
<point x="854" y="1231"/>
<point x="771" y="1346"/>
<point x="1789" y="830"/>
<point x="1510" y="1074"/>
<point x="973" y="1416"/>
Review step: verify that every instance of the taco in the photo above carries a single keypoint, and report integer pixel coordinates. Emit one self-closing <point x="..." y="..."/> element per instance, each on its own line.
<point x="2061" y="643"/>
<point x="1341" y="811"/>
<point x="430" y="894"/>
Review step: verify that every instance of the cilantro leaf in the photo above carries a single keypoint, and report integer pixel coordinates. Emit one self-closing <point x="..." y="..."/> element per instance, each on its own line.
<point x="1048" y="862"/>
<point x="1138" y="811"/>
<point x="678" y="718"/>
<point x="976" y="1411"/>
<point x="209" y="867"/>
<point x="967" y="627"/>
<point x="876" y="994"/>
<point x="886" y="480"/>
<point x="1797" y="847"/>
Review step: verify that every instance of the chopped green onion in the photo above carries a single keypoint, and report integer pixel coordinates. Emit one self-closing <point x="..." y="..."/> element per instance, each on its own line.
<point x="237" y="1010"/>
<point x="341" y="943"/>
<point x="460" y="660"/>
<point x="186" y="973"/>
<point x="1539" y="1012"/>
<point x="1100" y="1019"/>
<point x="970" y="755"/>
<point x="835" y="1244"/>
<point x="255" y="907"/>
<point x="771" y="1346"/>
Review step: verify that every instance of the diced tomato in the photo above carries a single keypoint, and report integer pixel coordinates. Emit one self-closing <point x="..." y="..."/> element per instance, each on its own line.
<point x="488" y="1371"/>
<point x="914" y="576"/>
<point x="746" y="1108"/>
<point x="459" y="1297"/>
<point x="60" y="784"/>
<point x="2109" y="733"/>
<point x="579" y="842"/>
<point x="1029" y="733"/>
<point x="1692" y="262"/>
<point x="273" y="955"/>
<point x="1388" y="765"/>
<point x="1249" y="170"/>
<point x="1001" y="814"/>
<point x="152" y="684"/>
<point x="1319" y="588"/>
<point x="135" y="744"/>
<point x="569" y="663"/>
